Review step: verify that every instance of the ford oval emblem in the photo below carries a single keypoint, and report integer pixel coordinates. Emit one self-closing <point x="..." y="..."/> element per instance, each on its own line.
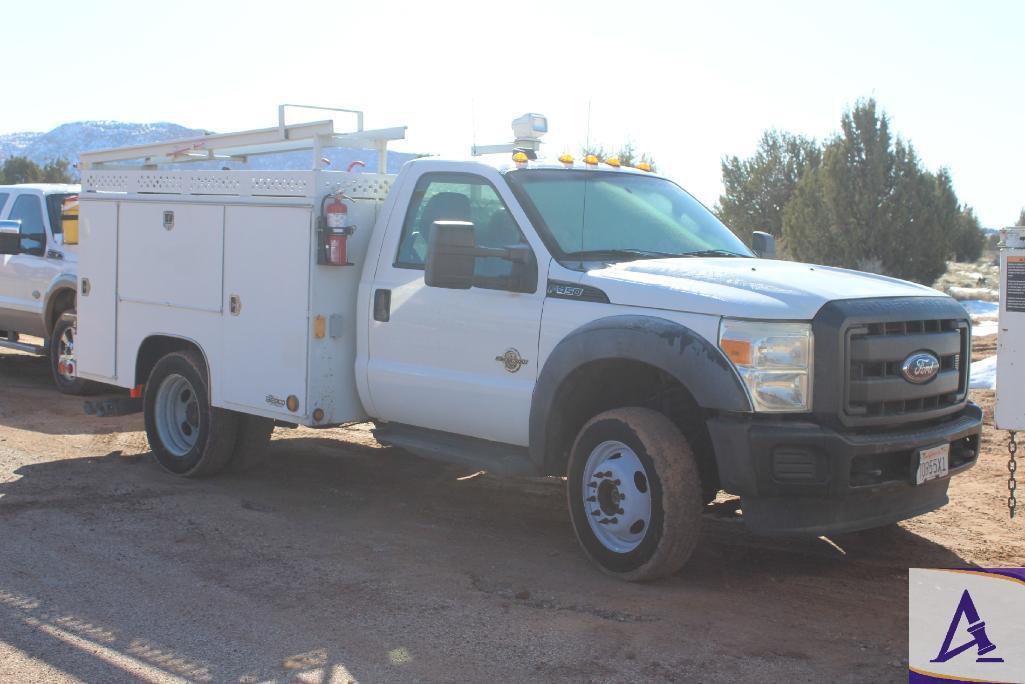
<point x="920" y="367"/>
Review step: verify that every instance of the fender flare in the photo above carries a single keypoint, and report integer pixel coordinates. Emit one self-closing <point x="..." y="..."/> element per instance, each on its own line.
<point x="673" y="348"/>
<point x="64" y="281"/>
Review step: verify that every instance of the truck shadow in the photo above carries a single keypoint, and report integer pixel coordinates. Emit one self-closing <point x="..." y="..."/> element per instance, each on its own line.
<point x="350" y="560"/>
<point x="29" y="400"/>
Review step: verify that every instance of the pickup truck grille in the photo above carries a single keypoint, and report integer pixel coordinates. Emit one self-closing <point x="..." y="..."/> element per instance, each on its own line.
<point x="860" y="346"/>
<point x="876" y="352"/>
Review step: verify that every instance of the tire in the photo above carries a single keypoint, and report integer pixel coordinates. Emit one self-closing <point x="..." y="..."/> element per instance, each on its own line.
<point x="252" y="443"/>
<point x="61" y="353"/>
<point x="639" y="454"/>
<point x="187" y="435"/>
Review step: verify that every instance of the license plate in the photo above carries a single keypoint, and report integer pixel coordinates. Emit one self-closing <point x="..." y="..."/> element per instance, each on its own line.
<point x="932" y="463"/>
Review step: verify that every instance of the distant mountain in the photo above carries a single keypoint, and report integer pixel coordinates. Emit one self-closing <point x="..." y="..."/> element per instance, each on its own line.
<point x="67" y="140"/>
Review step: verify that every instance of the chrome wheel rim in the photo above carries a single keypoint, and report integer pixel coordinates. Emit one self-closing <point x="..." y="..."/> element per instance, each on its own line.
<point x="616" y="496"/>
<point x="66" y="355"/>
<point x="177" y="415"/>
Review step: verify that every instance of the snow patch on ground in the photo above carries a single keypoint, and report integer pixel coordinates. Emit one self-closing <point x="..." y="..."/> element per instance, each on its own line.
<point x="973" y="293"/>
<point x="984" y="373"/>
<point x="983" y="328"/>
<point x="980" y="309"/>
<point x="984" y="316"/>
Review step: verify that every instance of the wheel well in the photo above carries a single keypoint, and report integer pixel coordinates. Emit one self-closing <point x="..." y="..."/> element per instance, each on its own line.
<point x="155" y="348"/>
<point x="60" y="301"/>
<point x="614" y="383"/>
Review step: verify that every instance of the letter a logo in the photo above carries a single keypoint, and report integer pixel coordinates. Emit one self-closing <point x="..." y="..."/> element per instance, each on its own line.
<point x="976" y="627"/>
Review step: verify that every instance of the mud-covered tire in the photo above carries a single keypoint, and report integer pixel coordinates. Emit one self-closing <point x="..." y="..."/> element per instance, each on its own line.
<point x="659" y="464"/>
<point x="252" y="445"/>
<point x="62" y="342"/>
<point x="187" y="435"/>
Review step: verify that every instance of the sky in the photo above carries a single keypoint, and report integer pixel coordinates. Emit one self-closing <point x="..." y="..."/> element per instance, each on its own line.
<point x="686" y="82"/>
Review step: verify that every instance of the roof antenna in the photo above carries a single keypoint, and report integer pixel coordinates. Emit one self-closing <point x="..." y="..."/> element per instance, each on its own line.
<point x="473" y="125"/>
<point x="587" y="143"/>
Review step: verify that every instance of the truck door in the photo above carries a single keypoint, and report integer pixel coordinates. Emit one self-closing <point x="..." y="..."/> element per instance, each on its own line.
<point x="96" y="342"/>
<point x="460" y="361"/>
<point x="28" y="273"/>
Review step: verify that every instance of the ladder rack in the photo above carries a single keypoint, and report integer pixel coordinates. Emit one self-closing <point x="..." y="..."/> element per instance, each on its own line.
<point x="315" y="136"/>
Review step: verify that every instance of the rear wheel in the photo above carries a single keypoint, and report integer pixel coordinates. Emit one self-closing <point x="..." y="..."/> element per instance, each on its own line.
<point x="187" y="435"/>
<point x="63" y="362"/>
<point x="634" y="493"/>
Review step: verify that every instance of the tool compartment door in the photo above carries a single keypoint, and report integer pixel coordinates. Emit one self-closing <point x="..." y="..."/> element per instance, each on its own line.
<point x="267" y="256"/>
<point x="96" y="303"/>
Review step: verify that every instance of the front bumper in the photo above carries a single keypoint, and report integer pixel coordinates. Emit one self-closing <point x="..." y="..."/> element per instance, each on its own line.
<point x="804" y="478"/>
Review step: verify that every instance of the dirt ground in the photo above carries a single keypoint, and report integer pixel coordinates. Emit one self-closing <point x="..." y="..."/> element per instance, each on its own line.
<point x="345" y="561"/>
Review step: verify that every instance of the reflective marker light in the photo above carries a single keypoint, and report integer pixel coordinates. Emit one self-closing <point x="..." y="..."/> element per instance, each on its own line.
<point x="613" y="161"/>
<point x="591" y="159"/>
<point x="566" y="158"/>
<point x="643" y="166"/>
<point x="520" y="158"/>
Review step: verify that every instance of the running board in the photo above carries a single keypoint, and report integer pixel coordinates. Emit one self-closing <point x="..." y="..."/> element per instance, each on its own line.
<point x="495" y="457"/>
<point x="21" y="346"/>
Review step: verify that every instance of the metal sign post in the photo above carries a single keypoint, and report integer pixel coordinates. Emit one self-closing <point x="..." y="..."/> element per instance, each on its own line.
<point x="1010" y="386"/>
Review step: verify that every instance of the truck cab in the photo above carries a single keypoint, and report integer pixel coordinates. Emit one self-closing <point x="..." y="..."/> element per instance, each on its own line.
<point x="38" y="275"/>
<point x="567" y="318"/>
<point x="790" y="381"/>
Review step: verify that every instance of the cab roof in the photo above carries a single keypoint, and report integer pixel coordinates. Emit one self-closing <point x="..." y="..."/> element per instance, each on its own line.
<point x="43" y="188"/>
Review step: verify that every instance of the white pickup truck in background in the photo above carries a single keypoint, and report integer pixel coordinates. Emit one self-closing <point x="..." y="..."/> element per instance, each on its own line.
<point x="38" y="277"/>
<point x="570" y="318"/>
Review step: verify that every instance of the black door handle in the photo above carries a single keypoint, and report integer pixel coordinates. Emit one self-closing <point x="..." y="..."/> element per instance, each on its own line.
<point x="382" y="305"/>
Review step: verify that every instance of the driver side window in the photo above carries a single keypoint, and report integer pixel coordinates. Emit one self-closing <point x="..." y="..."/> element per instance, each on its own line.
<point x="29" y="211"/>
<point x="459" y="197"/>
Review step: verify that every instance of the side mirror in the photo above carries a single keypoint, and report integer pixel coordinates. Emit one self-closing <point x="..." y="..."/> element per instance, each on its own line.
<point x="10" y="237"/>
<point x="763" y="244"/>
<point x="451" y="250"/>
<point x="451" y="260"/>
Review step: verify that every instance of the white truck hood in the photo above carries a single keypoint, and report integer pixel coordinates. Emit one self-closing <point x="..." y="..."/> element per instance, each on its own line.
<point x="746" y="288"/>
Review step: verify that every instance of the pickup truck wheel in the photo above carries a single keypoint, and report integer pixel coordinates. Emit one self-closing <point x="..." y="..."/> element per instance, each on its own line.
<point x="634" y="494"/>
<point x="63" y="363"/>
<point x="187" y="435"/>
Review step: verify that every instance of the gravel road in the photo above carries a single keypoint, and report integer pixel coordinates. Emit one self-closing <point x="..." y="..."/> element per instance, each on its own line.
<point x="343" y="561"/>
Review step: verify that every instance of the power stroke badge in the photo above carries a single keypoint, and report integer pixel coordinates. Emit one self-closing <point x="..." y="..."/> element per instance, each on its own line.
<point x="966" y="625"/>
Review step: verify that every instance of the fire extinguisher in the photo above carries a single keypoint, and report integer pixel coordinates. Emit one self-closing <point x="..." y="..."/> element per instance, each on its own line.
<point x="335" y="230"/>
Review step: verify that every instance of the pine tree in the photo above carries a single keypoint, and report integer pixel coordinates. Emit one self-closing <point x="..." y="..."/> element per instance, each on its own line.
<point x="758" y="189"/>
<point x="56" y="171"/>
<point x="870" y="205"/>
<point x="21" y="170"/>
<point x="969" y="241"/>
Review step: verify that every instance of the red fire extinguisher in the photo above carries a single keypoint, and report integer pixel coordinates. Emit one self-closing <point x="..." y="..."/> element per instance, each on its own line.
<point x="336" y="230"/>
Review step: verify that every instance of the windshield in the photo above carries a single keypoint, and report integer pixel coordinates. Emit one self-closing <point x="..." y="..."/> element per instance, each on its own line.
<point x="608" y="215"/>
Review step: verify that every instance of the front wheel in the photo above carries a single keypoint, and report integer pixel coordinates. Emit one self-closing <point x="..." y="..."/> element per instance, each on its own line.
<point x="634" y="494"/>
<point x="188" y="436"/>
<point x="63" y="362"/>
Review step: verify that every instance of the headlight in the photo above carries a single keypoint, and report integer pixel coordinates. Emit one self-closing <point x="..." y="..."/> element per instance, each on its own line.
<point x="773" y="359"/>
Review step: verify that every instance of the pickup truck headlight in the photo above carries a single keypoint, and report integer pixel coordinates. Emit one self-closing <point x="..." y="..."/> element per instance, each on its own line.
<point x="773" y="359"/>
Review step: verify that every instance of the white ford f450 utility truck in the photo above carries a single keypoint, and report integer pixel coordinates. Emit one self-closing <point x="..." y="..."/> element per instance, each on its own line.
<point x="37" y="275"/>
<point x="569" y="318"/>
